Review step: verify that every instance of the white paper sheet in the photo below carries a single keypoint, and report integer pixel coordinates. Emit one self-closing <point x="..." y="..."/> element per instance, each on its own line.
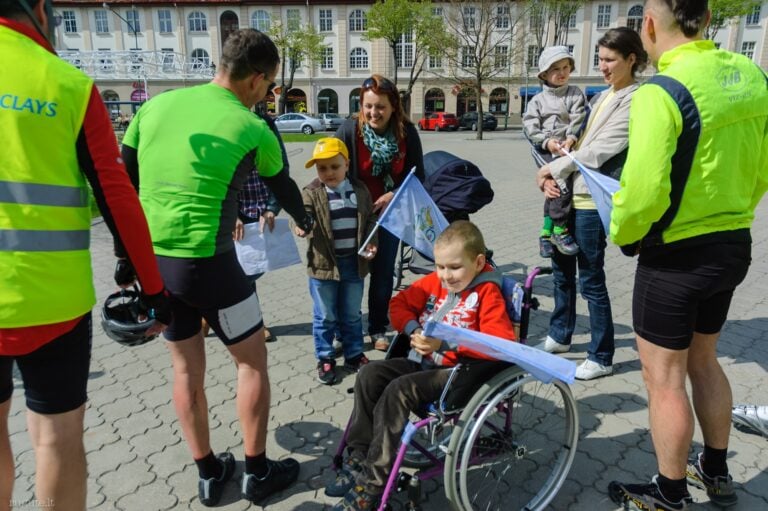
<point x="542" y="365"/>
<point x="261" y="252"/>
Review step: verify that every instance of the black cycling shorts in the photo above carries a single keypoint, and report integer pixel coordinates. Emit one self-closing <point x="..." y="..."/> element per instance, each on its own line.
<point x="55" y="376"/>
<point x="687" y="290"/>
<point x="214" y="288"/>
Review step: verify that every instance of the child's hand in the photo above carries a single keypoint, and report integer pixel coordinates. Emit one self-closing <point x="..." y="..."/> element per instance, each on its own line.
<point x="299" y="232"/>
<point x="553" y="146"/>
<point x="424" y="345"/>
<point x="370" y="251"/>
<point x="568" y="144"/>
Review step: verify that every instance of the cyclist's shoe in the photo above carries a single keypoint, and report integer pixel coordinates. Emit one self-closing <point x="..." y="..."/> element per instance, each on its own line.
<point x="280" y="475"/>
<point x="545" y="247"/>
<point x="719" y="488"/>
<point x="345" y="478"/>
<point x="644" y="497"/>
<point x="564" y="243"/>
<point x="210" y="490"/>
<point x="357" y="499"/>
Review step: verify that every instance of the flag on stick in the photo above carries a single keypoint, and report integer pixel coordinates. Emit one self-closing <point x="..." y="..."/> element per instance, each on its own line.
<point x="602" y="188"/>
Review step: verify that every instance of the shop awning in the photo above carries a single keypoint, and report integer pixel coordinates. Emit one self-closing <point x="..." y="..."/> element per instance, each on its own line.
<point x="529" y="91"/>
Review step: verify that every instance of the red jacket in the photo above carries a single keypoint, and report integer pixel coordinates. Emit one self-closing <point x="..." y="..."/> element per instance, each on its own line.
<point x="479" y="307"/>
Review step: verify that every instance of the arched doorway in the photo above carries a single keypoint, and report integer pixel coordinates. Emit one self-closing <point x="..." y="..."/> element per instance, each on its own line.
<point x="498" y="102"/>
<point x="296" y="101"/>
<point x="327" y="102"/>
<point x="466" y="101"/>
<point x="229" y="24"/>
<point x="354" y="101"/>
<point x="110" y="95"/>
<point x="434" y="101"/>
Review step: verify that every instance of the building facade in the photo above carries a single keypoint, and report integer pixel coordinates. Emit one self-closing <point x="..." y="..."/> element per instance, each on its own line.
<point x="135" y="49"/>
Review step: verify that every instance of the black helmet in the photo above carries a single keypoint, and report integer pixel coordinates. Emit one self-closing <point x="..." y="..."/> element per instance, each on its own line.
<point x="125" y="319"/>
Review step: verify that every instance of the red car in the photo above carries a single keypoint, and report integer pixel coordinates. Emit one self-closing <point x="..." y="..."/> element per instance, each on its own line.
<point x="439" y="121"/>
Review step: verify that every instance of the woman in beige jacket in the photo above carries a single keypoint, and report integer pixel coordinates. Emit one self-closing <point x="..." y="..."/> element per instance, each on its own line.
<point x="602" y="146"/>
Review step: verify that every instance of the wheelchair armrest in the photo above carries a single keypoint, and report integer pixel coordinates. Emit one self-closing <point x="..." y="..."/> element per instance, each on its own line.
<point x="467" y="378"/>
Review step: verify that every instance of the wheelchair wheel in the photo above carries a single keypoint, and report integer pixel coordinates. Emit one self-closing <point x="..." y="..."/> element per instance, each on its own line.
<point x="434" y="439"/>
<point x="513" y="444"/>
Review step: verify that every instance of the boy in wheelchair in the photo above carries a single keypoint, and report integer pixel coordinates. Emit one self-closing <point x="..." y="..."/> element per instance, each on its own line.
<point x="464" y="291"/>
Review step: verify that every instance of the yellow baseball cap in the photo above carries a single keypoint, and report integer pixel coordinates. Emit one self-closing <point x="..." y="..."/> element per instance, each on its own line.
<point x="327" y="147"/>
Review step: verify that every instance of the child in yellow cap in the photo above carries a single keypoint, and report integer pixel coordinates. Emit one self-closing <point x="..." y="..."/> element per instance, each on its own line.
<point x="345" y="217"/>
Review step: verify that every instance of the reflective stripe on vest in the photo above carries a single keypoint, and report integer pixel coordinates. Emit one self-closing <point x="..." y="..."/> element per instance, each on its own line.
<point x="43" y="241"/>
<point x="43" y="195"/>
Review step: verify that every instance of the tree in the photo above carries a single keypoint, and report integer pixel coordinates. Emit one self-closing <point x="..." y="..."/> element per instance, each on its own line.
<point x="298" y="46"/>
<point x="482" y="45"/>
<point x="411" y="23"/>
<point x="554" y="15"/>
<point x="725" y="10"/>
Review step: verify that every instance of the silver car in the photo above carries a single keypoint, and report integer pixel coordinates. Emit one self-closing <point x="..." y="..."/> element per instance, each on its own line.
<point x="299" y="123"/>
<point x="331" y="121"/>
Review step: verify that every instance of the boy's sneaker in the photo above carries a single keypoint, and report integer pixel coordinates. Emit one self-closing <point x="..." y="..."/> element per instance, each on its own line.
<point x="210" y="490"/>
<point x="280" y="475"/>
<point x="326" y="371"/>
<point x="719" y="488"/>
<point x="355" y="364"/>
<point x="345" y="478"/>
<point x="357" y="499"/>
<point x="545" y="247"/>
<point x="589" y="370"/>
<point x="644" y="497"/>
<point x="564" y="243"/>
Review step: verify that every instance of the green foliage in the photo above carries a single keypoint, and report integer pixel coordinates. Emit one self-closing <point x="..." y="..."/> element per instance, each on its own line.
<point x="725" y="10"/>
<point x="298" y="46"/>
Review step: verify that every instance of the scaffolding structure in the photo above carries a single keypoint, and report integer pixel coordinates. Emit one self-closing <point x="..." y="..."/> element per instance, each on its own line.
<point x="141" y="65"/>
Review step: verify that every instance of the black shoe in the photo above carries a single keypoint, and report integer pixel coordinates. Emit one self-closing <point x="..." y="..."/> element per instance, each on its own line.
<point x="355" y="364"/>
<point x="644" y="497"/>
<point x="280" y="475"/>
<point x="326" y="371"/>
<point x="209" y="490"/>
<point x="545" y="247"/>
<point x="564" y="243"/>
<point x="719" y="488"/>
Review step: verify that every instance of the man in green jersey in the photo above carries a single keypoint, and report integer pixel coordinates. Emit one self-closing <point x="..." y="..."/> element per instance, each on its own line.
<point x="696" y="169"/>
<point x="189" y="151"/>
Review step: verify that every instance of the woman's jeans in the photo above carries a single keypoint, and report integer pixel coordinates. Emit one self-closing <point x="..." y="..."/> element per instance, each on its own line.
<point x="337" y="309"/>
<point x="588" y="232"/>
<point x="382" y="274"/>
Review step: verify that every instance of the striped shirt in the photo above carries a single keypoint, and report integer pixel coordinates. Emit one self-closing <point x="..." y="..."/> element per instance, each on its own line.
<point x="342" y="204"/>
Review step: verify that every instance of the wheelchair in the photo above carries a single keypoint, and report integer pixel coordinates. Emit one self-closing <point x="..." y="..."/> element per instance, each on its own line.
<point x="499" y="438"/>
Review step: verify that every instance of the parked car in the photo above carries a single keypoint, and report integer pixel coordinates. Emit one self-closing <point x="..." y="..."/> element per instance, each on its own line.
<point x="331" y="121"/>
<point x="469" y="121"/>
<point x="299" y="123"/>
<point x="439" y="121"/>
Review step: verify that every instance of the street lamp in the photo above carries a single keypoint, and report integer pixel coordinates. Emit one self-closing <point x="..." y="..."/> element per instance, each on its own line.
<point x="139" y="69"/>
<point x="130" y="25"/>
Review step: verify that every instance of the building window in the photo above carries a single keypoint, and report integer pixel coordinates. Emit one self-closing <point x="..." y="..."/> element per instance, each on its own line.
<point x="167" y="61"/>
<point x="572" y="20"/>
<point x="327" y="60"/>
<point x="748" y="49"/>
<point x="260" y="21"/>
<point x="198" y="22"/>
<point x="467" y="56"/>
<point x="753" y="18"/>
<point x="294" y="19"/>
<point x="105" y="62"/>
<point x="326" y="20"/>
<point x="635" y="18"/>
<point x="200" y="59"/>
<point x="358" y="21"/>
<point x="404" y="50"/>
<point x="468" y="15"/>
<point x="502" y="16"/>
<point x="532" y="58"/>
<point x="501" y="57"/>
<point x="570" y="49"/>
<point x="603" y="16"/>
<point x="102" y="22"/>
<point x="435" y="61"/>
<point x="70" y="23"/>
<point x="437" y="11"/>
<point x="133" y="23"/>
<point x="164" y="21"/>
<point x="596" y="57"/>
<point x="358" y="59"/>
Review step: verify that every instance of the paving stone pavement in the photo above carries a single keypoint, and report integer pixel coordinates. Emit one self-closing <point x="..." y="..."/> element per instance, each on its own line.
<point x="138" y="460"/>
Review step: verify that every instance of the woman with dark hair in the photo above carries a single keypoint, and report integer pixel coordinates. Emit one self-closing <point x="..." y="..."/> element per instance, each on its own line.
<point x="383" y="147"/>
<point x="603" y="146"/>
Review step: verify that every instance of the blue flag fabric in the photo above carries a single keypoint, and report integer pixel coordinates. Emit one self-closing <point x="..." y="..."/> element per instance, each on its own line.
<point x="602" y="188"/>
<point x="413" y="216"/>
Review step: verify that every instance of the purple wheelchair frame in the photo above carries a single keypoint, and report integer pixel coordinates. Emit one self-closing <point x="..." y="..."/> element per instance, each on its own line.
<point x="394" y="483"/>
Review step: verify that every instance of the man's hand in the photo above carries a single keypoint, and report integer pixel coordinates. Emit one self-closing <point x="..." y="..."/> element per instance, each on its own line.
<point x="422" y="344"/>
<point x="298" y="231"/>
<point x="268" y="219"/>
<point x="160" y="307"/>
<point x="125" y="275"/>
<point x="239" y="231"/>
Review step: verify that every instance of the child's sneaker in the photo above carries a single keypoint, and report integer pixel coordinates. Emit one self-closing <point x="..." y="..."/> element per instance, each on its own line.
<point x="719" y="488"/>
<point x="357" y="499"/>
<point x="345" y="478"/>
<point x="545" y="247"/>
<point x="326" y="371"/>
<point x="355" y="364"/>
<point x="644" y="497"/>
<point x="564" y="243"/>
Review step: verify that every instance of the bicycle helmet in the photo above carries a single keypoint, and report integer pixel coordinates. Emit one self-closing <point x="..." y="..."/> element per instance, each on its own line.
<point x="125" y="319"/>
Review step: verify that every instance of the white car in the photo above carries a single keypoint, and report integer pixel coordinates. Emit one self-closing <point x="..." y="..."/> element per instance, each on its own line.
<point x="299" y="123"/>
<point x="331" y="121"/>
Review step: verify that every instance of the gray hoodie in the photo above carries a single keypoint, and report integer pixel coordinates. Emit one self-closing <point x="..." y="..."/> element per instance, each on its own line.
<point x="555" y="112"/>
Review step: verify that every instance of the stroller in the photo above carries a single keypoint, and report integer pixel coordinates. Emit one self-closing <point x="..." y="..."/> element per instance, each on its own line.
<point x="458" y="188"/>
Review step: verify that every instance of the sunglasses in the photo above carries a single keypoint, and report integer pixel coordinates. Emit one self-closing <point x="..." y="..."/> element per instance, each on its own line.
<point x="385" y="84"/>
<point x="271" y="84"/>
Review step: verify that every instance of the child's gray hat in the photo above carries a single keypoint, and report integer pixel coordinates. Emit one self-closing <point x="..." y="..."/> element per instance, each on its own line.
<point x="552" y="54"/>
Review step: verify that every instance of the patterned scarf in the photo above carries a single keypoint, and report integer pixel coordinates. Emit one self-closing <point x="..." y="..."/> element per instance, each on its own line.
<point x="383" y="149"/>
